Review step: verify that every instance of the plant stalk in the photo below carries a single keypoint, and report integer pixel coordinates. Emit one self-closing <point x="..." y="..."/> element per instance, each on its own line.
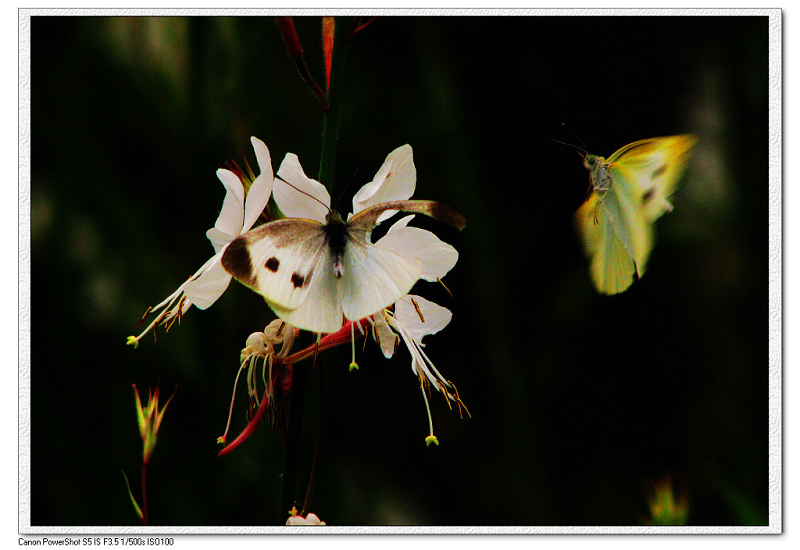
<point x="332" y="117"/>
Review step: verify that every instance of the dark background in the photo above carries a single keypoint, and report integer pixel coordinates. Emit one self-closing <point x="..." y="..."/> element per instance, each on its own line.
<point x="578" y="402"/>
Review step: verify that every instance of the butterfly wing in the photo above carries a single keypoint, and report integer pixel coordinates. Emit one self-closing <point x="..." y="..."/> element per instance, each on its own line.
<point x="291" y="264"/>
<point x="654" y="166"/>
<point x="368" y="218"/>
<point x="374" y="277"/>
<point x="612" y="232"/>
<point x="280" y="260"/>
<point x="377" y="277"/>
<point x="321" y="311"/>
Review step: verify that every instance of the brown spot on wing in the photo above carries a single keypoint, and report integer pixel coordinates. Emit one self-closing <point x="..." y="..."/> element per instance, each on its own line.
<point x="658" y="172"/>
<point x="237" y="262"/>
<point x="273" y="264"/>
<point x="300" y="280"/>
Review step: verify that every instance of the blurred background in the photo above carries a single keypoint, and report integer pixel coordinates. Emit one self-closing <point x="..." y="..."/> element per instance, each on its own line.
<point x="579" y="403"/>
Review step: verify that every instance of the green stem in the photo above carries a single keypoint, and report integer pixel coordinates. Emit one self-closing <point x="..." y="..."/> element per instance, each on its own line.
<point x="295" y="424"/>
<point x="332" y="117"/>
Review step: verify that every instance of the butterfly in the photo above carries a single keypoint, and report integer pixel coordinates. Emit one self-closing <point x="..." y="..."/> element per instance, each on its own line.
<point x="629" y="193"/>
<point x="315" y="275"/>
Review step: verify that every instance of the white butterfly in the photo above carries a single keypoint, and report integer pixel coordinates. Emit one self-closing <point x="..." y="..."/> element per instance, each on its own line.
<point x="316" y="274"/>
<point x="629" y="193"/>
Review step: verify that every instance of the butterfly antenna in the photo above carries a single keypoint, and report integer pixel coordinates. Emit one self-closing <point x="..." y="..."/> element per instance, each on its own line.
<point x="301" y="191"/>
<point x="336" y="202"/>
<point x="564" y="124"/>
<point x="581" y="151"/>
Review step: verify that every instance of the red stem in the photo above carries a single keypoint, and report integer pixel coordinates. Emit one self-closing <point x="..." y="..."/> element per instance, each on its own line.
<point x="145" y="519"/>
<point x="289" y="33"/>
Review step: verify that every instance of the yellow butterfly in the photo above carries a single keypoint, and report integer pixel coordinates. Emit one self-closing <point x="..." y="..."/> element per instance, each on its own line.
<point x="629" y="193"/>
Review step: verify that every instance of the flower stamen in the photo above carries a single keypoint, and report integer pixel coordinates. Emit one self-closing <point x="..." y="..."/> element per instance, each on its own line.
<point x="260" y="346"/>
<point x="178" y="315"/>
<point x="430" y="438"/>
<point x="419" y="312"/>
<point x="445" y="286"/>
<point x="353" y="364"/>
<point x="146" y="313"/>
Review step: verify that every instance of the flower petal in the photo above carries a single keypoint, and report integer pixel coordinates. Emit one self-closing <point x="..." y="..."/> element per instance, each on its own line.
<point x="304" y="198"/>
<point x="259" y="192"/>
<point x="396" y="180"/>
<point x="232" y="213"/>
<point x="218" y="239"/>
<point x="385" y="335"/>
<point x="209" y="286"/>
<point x="435" y="316"/>
<point x="437" y="257"/>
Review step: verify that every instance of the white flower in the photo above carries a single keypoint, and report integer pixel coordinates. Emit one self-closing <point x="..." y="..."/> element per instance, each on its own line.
<point x="396" y="180"/>
<point x="413" y="318"/>
<point x="437" y="257"/>
<point x="299" y="196"/>
<point x="238" y="214"/>
<point x="310" y="519"/>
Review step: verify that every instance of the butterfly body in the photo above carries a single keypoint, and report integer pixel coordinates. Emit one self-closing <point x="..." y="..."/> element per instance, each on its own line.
<point x="598" y="172"/>
<point x="336" y="233"/>
<point x="629" y="192"/>
<point x="315" y="275"/>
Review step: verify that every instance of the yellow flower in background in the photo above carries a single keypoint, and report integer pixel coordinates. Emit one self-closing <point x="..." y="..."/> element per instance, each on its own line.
<point x="664" y="508"/>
